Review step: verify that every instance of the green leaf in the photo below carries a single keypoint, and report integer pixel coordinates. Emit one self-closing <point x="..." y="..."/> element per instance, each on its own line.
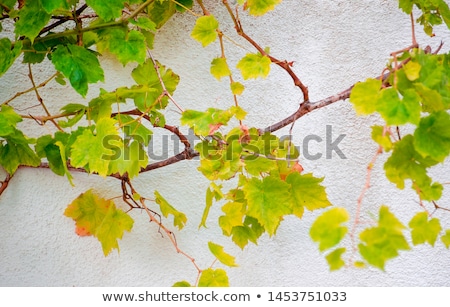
<point x="213" y="278"/>
<point x="406" y="5"/>
<point x="8" y="3"/>
<point x="424" y="230"/>
<point x="432" y="136"/>
<point x="432" y="100"/>
<point x="219" y="68"/>
<point x="261" y="7"/>
<point x="406" y="163"/>
<point x="399" y="111"/>
<point x="237" y="88"/>
<point x="107" y="9"/>
<point x="205" y="30"/>
<point x="206" y="123"/>
<point x="128" y="159"/>
<point x="144" y="23"/>
<point x="161" y="11"/>
<point x="32" y="18"/>
<point x="94" y="151"/>
<point x="79" y="65"/>
<point x="234" y="216"/>
<point x="12" y="155"/>
<point x="446" y="238"/>
<point x="381" y="137"/>
<point x="182" y="284"/>
<point x="133" y="128"/>
<point x="212" y="192"/>
<point x="51" y="5"/>
<point x="222" y="256"/>
<point x="8" y="120"/>
<point x="8" y="54"/>
<point x="307" y="193"/>
<point x="249" y="232"/>
<point x="334" y="259"/>
<point x="253" y="66"/>
<point x="179" y="218"/>
<point x="412" y="70"/>
<point x="127" y="46"/>
<point x="62" y="153"/>
<point x="364" y="96"/>
<point x="99" y="217"/>
<point x="327" y="229"/>
<point x="146" y="75"/>
<point x="268" y="200"/>
<point x="182" y="5"/>
<point x="383" y="242"/>
<point x="46" y="148"/>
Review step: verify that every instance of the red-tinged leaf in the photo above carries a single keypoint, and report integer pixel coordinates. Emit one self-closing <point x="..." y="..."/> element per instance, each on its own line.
<point x="99" y="217"/>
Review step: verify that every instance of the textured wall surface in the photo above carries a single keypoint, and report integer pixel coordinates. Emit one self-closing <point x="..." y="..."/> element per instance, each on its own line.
<point x="334" y="44"/>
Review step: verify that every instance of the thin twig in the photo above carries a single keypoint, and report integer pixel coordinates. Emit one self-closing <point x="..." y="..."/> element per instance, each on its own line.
<point x="30" y="89"/>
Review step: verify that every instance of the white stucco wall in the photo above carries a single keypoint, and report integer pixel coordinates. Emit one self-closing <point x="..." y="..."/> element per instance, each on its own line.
<point x="334" y="44"/>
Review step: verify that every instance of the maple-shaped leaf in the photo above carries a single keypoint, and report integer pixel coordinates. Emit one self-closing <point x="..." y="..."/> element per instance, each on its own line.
<point x="213" y="278"/>
<point x="145" y="74"/>
<point x="95" y="151"/>
<point x="126" y="45"/>
<point x="261" y="7"/>
<point x="130" y="159"/>
<point x="79" y="65"/>
<point x="179" y="218"/>
<point x="205" y="30"/>
<point x="424" y="230"/>
<point x="334" y="259"/>
<point x="219" y="68"/>
<point x="398" y="110"/>
<point x="384" y="241"/>
<point x="307" y="193"/>
<point x="99" y="217"/>
<point x="327" y="229"/>
<point x="254" y="65"/>
<point x="268" y="200"/>
<point x="221" y="255"/>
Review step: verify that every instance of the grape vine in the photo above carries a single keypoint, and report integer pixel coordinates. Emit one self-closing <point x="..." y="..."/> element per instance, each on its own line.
<point x="108" y="134"/>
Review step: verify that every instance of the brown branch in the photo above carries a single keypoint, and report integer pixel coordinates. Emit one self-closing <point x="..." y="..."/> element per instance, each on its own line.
<point x="309" y="106"/>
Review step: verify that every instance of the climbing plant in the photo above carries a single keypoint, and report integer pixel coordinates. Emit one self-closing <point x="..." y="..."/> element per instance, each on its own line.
<point x="108" y="135"/>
